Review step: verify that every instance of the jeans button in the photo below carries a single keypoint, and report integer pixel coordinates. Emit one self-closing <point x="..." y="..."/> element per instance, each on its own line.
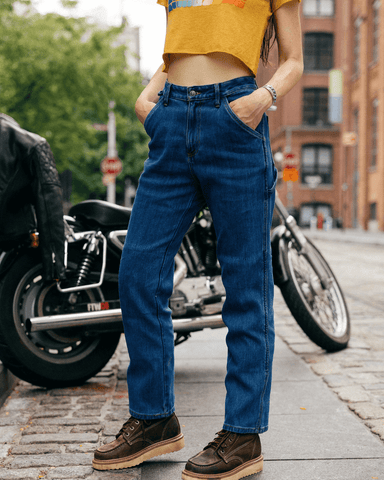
<point x="192" y="93"/>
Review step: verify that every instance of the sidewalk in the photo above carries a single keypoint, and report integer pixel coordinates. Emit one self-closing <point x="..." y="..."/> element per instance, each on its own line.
<point x="313" y="435"/>
<point x="350" y="235"/>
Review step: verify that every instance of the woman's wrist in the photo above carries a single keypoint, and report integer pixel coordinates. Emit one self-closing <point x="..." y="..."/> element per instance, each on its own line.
<point x="264" y="97"/>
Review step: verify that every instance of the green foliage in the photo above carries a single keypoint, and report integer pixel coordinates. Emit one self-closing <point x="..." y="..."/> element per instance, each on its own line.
<point x="57" y="77"/>
<point x="69" y="3"/>
<point x="7" y="5"/>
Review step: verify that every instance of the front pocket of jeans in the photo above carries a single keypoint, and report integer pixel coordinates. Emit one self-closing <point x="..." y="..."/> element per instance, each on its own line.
<point x="275" y="174"/>
<point x="150" y="114"/>
<point x="240" y="122"/>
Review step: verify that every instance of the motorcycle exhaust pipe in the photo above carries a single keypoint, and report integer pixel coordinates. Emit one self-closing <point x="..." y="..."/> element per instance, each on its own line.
<point x="113" y="318"/>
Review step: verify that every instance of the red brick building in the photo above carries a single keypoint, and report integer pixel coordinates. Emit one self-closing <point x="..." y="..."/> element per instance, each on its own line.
<point x="337" y="34"/>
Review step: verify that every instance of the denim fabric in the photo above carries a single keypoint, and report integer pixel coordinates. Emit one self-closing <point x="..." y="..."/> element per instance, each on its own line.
<point x="201" y="152"/>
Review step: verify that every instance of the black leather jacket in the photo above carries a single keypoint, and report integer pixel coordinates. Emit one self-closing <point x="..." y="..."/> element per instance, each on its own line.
<point x="30" y="195"/>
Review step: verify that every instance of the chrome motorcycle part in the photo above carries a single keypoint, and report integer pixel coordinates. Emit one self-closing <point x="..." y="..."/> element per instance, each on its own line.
<point x="180" y="271"/>
<point x="321" y="312"/>
<point x="50" y="358"/>
<point x="117" y="237"/>
<point x="301" y="243"/>
<point x="113" y="317"/>
<point x="90" y="250"/>
<point x="178" y="303"/>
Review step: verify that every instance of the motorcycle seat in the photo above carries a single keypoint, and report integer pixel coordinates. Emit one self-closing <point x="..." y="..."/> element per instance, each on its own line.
<point x="102" y="213"/>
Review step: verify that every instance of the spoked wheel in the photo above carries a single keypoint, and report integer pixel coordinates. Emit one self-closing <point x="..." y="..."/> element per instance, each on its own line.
<point x="321" y="313"/>
<point x="53" y="358"/>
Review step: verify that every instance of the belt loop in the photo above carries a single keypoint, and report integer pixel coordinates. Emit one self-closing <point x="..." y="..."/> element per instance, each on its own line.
<point x="167" y="89"/>
<point x="217" y="95"/>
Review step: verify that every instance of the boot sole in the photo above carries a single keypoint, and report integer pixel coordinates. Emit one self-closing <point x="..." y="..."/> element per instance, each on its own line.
<point x="248" y="468"/>
<point x="161" y="448"/>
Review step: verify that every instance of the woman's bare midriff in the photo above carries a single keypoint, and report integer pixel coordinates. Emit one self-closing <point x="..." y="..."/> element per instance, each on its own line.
<point x="191" y="70"/>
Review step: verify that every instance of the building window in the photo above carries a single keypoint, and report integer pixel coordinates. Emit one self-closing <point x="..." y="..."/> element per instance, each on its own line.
<point x="308" y="210"/>
<point x="316" y="160"/>
<point x="375" y="105"/>
<point x="373" y="211"/>
<point x="315" y="106"/>
<point x="318" y="51"/>
<point x="316" y="8"/>
<point x="376" y="30"/>
<point x="356" y="46"/>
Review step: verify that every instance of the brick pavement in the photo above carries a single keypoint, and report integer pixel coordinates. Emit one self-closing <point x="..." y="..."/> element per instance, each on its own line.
<point x="356" y="374"/>
<point x="51" y="434"/>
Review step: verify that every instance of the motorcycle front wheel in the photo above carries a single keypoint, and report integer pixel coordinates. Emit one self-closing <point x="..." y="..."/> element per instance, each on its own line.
<point x="321" y="313"/>
<point x="56" y="358"/>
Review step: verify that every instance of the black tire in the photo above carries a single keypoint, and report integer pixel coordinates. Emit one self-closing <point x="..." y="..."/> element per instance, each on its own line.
<point x="53" y="359"/>
<point x="323" y="316"/>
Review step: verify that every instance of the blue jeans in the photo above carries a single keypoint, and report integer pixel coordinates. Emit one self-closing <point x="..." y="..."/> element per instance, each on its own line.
<point x="201" y="153"/>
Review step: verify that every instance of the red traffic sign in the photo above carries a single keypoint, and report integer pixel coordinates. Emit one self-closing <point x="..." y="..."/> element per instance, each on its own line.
<point x="111" y="166"/>
<point x="290" y="160"/>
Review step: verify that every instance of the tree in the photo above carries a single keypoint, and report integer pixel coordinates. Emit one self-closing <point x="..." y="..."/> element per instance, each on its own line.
<point x="57" y="77"/>
<point x="7" y="5"/>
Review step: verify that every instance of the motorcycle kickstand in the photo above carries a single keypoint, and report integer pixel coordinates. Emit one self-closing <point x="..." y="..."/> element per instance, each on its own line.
<point x="181" y="338"/>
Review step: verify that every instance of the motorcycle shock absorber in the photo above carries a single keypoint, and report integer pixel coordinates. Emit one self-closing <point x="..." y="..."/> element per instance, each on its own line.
<point x="195" y="257"/>
<point x="90" y="252"/>
<point x="211" y="256"/>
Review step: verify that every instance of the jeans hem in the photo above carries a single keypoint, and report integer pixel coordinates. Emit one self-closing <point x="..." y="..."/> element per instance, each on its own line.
<point x="230" y="428"/>
<point x="141" y="416"/>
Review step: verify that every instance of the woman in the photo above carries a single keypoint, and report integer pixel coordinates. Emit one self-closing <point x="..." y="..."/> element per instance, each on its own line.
<point x="209" y="145"/>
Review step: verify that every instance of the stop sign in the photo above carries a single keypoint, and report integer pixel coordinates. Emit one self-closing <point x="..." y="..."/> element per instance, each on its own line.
<point x="111" y="166"/>
<point x="291" y="160"/>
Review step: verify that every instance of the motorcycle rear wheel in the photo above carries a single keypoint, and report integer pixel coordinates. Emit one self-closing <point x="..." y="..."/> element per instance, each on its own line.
<point x="322" y="314"/>
<point x="53" y="359"/>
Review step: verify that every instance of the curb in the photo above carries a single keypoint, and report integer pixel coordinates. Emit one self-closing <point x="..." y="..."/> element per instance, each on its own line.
<point x="7" y="383"/>
<point x="346" y="237"/>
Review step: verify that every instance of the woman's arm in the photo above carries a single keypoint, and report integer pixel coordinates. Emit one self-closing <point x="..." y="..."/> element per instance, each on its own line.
<point x="251" y="108"/>
<point x="148" y="97"/>
<point x="289" y="40"/>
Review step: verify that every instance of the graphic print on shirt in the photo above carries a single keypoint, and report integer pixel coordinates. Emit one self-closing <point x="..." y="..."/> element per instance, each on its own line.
<point x="202" y="3"/>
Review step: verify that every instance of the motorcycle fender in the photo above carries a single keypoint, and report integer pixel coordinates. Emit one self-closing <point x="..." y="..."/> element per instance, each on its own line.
<point x="7" y="259"/>
<point x="280" y="275"/>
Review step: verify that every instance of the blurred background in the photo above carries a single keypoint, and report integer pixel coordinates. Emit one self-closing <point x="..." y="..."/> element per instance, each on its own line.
<point x="68" y="69"/>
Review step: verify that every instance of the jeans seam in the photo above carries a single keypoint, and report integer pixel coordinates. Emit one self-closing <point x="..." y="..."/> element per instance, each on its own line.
<point x="157" y="291"/>
<point x="164" y="414"/>
<point x="235" y="90"/>
<point x="265" y="285"/>
<point x="235" y="429"/>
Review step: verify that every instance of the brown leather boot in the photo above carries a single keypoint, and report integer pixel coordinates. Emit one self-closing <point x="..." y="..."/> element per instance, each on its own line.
<point x="140" y="440"/>
<point x="230" y="456"/>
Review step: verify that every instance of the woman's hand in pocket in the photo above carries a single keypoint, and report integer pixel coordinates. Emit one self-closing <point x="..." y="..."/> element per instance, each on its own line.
<point x="250" y="108"/>
<point x="142" y="109"/>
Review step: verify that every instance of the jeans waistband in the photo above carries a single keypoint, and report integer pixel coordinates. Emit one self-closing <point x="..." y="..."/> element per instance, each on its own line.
<point x="207" y="92"/>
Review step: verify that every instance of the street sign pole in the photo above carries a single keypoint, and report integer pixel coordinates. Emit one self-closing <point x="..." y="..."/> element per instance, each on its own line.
<point x="112" y="151"/>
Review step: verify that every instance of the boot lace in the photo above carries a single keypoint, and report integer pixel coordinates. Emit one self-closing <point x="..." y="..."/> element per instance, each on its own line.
<point x="128" y="426"/>
<point x="222" y="436"/>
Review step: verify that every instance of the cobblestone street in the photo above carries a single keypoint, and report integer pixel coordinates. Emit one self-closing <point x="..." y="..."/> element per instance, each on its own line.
<point x="51" y="434"/>
<point x="357" y="373"/>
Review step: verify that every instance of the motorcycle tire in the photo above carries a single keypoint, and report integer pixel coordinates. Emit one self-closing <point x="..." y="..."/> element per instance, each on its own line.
<point x="56" y="358"/>
<point x="323" y="316"/>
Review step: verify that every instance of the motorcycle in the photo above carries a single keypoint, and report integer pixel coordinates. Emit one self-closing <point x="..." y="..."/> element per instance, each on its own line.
<point x="60" y="334"/>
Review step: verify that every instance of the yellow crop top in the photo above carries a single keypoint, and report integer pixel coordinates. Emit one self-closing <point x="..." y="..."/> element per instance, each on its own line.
<point x="236" y="27"/>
